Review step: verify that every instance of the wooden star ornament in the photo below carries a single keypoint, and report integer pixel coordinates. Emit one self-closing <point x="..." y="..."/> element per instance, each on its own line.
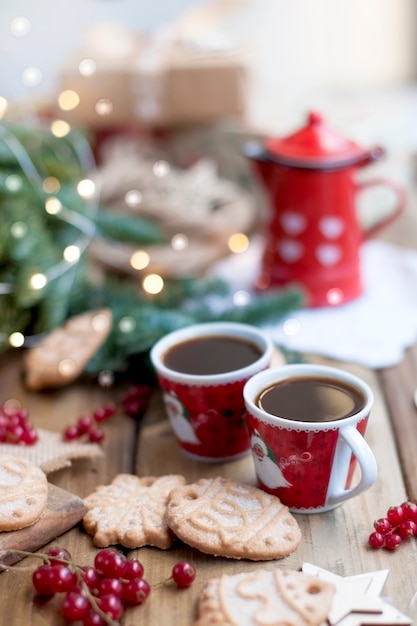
<point x="357" y="601"/>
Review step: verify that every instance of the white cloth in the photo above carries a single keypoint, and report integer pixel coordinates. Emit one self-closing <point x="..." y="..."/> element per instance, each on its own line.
<point x="373" y="330"/>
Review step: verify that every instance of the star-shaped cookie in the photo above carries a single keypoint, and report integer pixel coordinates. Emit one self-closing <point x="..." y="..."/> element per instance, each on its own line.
<point x="51" y="452"/>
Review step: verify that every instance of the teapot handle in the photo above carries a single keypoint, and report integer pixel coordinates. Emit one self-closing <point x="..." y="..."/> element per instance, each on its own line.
<point x="401" y="195"/>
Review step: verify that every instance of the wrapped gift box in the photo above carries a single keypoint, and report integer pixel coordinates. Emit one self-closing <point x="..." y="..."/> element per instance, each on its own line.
<point x="155" y="81"/>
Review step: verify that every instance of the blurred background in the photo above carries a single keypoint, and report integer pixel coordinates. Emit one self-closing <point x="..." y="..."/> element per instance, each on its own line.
<point x="301" y="54"/>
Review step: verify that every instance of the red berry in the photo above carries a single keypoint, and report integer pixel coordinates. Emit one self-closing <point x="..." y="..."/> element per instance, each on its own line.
<point x="136" y="591"/>
<point x="75" y="606"/>
<point x="395" y="515"/>
<point x="392" y="541"/>
<point x="132" y="569"/>
<point x="383" y="526"/>
<point x="84" y="425"/>
<point x="90" y="576"/>
<point x="58" y="554"/>
<point x="376" y="540"/>
<point x="62" y="578"/>
<point x="41" y="580"/>
<point x="110" y="562"/>
<point x="93" y="619"/>
<point x="113" y="586"/>
<point x="410" y="510"/>
<point x="183" y="574"/>
<point x="111" y="605"/>
<point x="96" y="435"/>
<point x="407" y="529"/>
<point x="71" y="433"/>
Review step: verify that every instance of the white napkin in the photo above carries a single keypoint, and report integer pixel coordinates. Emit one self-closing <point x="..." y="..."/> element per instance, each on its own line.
<point x="373" y="330"/>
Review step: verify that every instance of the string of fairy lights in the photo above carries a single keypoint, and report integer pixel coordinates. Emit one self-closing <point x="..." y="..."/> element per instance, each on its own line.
<point x="47" y="188"/>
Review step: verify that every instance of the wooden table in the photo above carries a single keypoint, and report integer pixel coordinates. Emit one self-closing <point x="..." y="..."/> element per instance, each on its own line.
<point x="336" y="540"/>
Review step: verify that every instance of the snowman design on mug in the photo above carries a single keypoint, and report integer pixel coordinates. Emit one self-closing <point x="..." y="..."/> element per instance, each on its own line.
<point x="267" y="468"/>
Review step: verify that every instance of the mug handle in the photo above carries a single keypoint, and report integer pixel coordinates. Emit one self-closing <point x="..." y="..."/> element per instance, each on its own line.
<point x="356" y="445"/>
<point x="398" y="209"/>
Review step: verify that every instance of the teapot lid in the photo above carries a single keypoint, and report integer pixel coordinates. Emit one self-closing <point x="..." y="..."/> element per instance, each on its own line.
<point x="315" y="145"/>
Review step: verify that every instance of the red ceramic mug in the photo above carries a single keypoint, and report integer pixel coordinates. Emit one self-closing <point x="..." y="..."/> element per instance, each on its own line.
<point x="202" y="370"/>
<point x="307" y="425"/>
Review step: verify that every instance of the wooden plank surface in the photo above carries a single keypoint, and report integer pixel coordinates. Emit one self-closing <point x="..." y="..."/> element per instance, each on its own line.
<point x="336" y="540"/>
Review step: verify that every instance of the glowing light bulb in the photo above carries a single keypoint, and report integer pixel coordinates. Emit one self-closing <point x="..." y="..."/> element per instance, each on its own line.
<point x="67" y="367"/>
<point x="86" y="67"/>
<point x="53" y="206"/>
<point x="241" y="298"/>
<point x="153" y="284"/>
<point x="161" y="168"/>
<point x="104" y="106"/>
<point x="32" y="76"/>
<point x="16" y="340"/>
<point x="139" y="260"/>
<point x="13" y="182"/>
<point x="51" y="184"/>
<point x="334" y="296"/>
<point x="100" y="322"/>
<point x="60" y="128"/>
<point x="38" y="281"/>
<point x="127" y="324"/>
<point x="238" y="242"/>
<point x="291" y="327"/>
<point x="18" y="230"/>
<point x="72" y="254"/>
<point x="179" y="241"/>
<point x="86" y="188"/>
<point x="133" y="198"/>
<point x="3" y="106"/>
<point x="68" y="100"/>
<point x="20" y="26"/>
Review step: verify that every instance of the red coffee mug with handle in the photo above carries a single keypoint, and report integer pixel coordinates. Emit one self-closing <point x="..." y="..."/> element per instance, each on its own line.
<point x="310" y="465"/>
<point x="313" y="235"/>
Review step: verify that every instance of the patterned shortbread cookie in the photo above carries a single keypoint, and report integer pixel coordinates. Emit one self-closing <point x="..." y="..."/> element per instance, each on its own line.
<point x="263" y="598"/>
<point x="23" y="493"/>
<point x="131" y="511"/>
<point x="227" y="518"/>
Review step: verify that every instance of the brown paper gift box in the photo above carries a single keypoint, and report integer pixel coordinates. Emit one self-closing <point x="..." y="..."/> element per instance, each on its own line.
<point x="162" y="82"/>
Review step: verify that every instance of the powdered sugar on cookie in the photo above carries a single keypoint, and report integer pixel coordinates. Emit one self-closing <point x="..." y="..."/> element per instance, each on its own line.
<point x="23" y="493"/>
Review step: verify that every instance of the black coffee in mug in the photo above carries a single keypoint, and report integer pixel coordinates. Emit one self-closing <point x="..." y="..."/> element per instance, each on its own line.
<point x="311" y="399"/>
<point x="213" y="354"/>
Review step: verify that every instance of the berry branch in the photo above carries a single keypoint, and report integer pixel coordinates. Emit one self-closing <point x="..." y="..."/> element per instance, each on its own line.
<point x="97" y="595"/>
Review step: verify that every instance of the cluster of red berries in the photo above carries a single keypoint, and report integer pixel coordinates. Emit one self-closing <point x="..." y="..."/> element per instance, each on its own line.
<point x="15" y="426"/>
<point x="399" y="524"/>
<point x="98" y="595"/>
<point x="88" y="427"/>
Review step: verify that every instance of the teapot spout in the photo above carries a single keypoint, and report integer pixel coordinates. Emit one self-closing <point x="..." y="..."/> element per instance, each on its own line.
<point x="374" y="154"/>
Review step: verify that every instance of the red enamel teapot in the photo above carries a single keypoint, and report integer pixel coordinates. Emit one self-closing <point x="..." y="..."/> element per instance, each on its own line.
<point x="313" y="236"/>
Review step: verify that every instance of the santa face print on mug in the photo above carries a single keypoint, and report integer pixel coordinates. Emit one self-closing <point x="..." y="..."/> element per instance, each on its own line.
<point x="202" y="370"/>
<point x="307" y="425"/>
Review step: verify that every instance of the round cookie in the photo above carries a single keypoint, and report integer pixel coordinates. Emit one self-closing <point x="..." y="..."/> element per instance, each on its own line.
<point x="289" y="598"/>
<point x="23" y="493"/>
<point x="227" y="518"/>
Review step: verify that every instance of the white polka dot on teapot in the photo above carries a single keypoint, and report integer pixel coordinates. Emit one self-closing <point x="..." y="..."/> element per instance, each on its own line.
<point x="331" y="227"/>
<point x="293" y="223"/>
<point x="290" y="250"/>
<point x="328" y="254"/>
